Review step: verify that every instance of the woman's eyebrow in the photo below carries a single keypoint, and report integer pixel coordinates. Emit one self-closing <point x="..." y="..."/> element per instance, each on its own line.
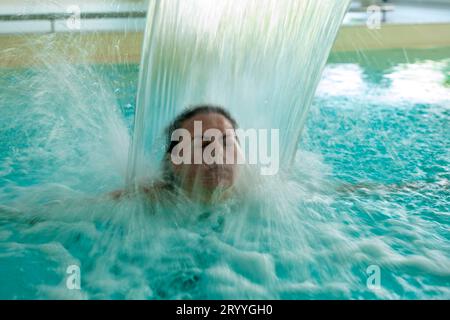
<point x="227" y="133"/>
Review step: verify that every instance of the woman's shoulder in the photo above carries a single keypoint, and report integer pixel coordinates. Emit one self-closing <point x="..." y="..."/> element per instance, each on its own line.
<point x="153" y="190"/>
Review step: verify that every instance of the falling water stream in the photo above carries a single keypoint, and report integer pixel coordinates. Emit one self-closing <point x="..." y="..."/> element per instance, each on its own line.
<point x="260" y="59"/>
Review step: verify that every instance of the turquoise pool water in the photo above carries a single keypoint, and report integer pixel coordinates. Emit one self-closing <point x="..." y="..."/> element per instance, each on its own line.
<point x="370" y="187"/>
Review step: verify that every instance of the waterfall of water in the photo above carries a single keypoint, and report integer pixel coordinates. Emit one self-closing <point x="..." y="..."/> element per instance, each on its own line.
<point x="261" y="59"/>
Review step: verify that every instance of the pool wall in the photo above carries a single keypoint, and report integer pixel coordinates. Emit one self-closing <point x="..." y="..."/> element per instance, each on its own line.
<point x="120" y="47"/>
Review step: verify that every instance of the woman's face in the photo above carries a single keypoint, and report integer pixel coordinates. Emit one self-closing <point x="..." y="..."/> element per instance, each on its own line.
<point x="202" y="178"/>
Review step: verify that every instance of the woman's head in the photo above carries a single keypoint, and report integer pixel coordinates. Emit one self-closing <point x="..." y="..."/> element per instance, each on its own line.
<point x="211" y="132"/>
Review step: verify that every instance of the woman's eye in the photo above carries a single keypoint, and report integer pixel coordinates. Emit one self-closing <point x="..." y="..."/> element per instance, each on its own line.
<point x="229" y="140"/>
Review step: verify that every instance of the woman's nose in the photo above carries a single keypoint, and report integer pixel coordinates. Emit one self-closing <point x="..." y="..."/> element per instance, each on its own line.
<point x="216" y="156"/>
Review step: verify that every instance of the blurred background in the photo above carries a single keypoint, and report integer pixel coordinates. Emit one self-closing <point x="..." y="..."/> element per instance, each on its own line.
<point x="112" y="31"/>
<point x="31" y="16"/>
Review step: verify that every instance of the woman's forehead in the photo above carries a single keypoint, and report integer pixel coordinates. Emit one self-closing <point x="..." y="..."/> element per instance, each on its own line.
<point x="208" y="121"/>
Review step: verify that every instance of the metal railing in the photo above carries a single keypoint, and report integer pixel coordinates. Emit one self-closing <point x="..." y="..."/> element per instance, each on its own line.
<point x="53" y="17"/>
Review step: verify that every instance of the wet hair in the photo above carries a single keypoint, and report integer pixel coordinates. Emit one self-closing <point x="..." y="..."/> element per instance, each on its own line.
<point x="192" y="111"/>
<point x="177" y="123"/>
